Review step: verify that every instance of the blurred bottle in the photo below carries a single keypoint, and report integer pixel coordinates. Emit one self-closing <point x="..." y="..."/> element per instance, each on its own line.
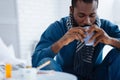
<point x="8" y="72"/>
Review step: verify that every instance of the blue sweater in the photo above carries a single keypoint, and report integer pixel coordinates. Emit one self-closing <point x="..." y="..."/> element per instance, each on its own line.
<point x="65" y="56"/>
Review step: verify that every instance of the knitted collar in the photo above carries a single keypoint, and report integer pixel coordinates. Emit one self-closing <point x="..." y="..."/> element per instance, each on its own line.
<point x="69" y="22"/>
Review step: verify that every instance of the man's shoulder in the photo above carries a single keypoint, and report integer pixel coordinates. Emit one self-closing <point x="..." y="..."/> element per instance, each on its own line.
<point x="106" y="22"/>
<point x="60" y="22"/>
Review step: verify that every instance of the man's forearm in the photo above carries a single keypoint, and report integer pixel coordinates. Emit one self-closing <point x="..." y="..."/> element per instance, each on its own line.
<point x="115" y="43"/>
<point x="57" y="46"/>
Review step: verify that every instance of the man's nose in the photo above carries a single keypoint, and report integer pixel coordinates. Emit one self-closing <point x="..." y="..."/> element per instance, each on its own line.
<point x="87" y="21"/>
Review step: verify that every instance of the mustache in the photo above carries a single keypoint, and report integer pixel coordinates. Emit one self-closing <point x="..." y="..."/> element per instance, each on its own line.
<point x="85" y="25"/>
<point x="74" y="22"/>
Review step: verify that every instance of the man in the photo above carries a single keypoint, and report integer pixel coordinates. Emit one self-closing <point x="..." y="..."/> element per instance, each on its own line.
<point x="62" y="37"/>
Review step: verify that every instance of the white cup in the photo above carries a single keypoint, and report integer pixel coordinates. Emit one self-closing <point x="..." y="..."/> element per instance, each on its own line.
<point x="28" y="74"/>
<point x="25" y="74"/>
<point x="87" y="38"/>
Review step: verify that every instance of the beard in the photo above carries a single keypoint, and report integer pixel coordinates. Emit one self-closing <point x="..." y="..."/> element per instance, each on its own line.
<point x="74" y="22"/>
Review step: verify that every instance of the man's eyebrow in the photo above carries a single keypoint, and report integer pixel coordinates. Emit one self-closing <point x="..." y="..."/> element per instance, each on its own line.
<point x="93" y="13"/>
<point x="84" y="13"/>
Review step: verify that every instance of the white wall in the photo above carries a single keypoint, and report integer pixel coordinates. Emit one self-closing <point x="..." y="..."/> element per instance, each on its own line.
<point x="8" y="24"/>
<point x="116" y="11"/>
<point x="34" y="18"/>
<point x="105" y="9"/>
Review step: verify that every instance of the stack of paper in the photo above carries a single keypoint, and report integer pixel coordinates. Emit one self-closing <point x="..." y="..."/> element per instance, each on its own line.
<point x="7" y="55"/>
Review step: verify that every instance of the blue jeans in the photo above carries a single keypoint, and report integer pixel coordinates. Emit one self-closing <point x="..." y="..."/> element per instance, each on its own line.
<point x="109" y="69"/>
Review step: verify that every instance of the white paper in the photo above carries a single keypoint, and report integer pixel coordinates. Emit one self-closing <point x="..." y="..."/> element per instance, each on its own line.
<point x="88" y="37"/>
<point x="7" y="55"/>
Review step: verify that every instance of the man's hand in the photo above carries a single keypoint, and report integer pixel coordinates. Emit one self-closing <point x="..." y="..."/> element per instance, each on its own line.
<point x="99" y="35"/>
<point x="75" y="33"/>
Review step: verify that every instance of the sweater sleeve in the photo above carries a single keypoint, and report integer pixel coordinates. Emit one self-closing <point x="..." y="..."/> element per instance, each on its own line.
<point x="40" y="54"/>
<point x="111" y="29"/>
<point x="43" y="49"/>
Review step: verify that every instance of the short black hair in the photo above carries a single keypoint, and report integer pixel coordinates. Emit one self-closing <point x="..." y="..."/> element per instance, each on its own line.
<point x="73" y="2"/>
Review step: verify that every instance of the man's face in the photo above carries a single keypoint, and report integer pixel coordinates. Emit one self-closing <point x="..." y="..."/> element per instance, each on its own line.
<point x="84" y="13"/>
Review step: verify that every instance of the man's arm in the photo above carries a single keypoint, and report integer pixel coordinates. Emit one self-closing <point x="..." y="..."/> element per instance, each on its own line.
<point x="43" y="48"/>
<point x="101" y="36"/>
<point x="75" y="33"/>
<point x="48" y="48"/>
<point x="114" y="42"/>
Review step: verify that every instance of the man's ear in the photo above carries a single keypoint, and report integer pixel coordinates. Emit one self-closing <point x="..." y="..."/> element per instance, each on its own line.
<point x="71" y="10"/>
